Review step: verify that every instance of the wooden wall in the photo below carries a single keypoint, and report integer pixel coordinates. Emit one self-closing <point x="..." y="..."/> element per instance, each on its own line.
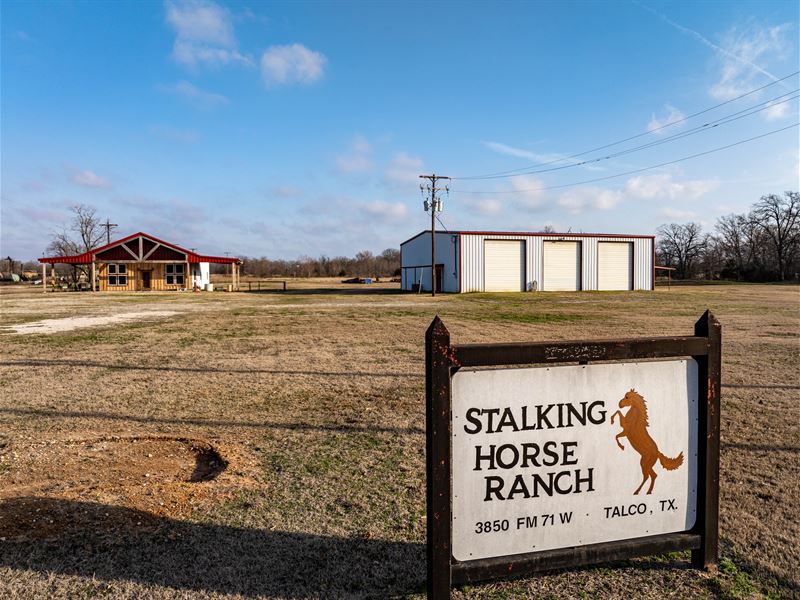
<point x="158" y="281"/>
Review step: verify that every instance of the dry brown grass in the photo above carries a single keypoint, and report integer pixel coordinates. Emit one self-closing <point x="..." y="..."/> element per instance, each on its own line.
<point x="315" y="399"/>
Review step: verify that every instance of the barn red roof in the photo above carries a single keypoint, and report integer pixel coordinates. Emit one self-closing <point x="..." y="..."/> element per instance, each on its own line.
<point x="120" y="250"/>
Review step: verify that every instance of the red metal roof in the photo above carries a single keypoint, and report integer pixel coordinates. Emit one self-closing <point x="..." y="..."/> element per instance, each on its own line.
<point x="532" y="234"/>
<point x="86" y="257"/>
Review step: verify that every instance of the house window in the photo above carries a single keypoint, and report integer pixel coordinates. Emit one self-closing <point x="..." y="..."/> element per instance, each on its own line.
<point x="174" y="274"/>
<point x="117" y="275"/>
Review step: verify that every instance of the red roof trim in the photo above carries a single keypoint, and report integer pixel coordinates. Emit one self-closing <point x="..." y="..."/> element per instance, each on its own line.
<point x="532" y="234"/>
<point x="86" y="257"/>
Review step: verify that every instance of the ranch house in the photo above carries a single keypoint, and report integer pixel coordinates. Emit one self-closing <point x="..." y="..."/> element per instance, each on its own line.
<point x="142" y="262"/>
<point x="486" y="261"/>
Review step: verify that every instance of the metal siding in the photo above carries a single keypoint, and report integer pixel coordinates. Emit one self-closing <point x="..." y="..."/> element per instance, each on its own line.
<point x="417" y="253"/>
<point x="472" y="259"/>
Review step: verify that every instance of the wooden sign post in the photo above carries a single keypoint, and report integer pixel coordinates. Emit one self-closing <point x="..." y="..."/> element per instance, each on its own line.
<point x="534" y="463"/>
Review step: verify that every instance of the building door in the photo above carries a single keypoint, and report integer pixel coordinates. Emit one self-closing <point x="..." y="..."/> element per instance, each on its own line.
<point x="614" y="266"/>
<point x="562" y="266"/>
<point x="504" y="265"/>
<point x="146" y="279"/>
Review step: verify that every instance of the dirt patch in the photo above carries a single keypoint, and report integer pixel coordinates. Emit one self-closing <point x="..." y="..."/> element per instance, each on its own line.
<point x="162" y="476"/>
<point x="48" y="326"/>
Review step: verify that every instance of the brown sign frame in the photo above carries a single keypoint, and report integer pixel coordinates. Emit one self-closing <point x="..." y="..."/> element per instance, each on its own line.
<point x="443" y="359"/>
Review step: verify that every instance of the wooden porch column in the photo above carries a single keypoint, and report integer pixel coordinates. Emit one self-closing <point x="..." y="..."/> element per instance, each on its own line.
<point x="93" y="276"/>
<point x="44" y="278"/>
<point x="53" y="274"/>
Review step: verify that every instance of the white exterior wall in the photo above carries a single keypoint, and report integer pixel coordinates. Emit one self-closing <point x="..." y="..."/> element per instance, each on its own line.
<point x="472" y="259"/>
<point x="201" y="274"/>
<point x="415" y="261"/>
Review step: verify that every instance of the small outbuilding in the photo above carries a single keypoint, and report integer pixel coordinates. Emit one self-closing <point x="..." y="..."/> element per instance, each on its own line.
<point x="485" y="261"/>
<point x="142" y="262"/>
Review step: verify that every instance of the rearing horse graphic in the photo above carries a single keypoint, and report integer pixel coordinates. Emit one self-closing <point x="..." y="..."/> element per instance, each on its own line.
<point x="634" y="427"/>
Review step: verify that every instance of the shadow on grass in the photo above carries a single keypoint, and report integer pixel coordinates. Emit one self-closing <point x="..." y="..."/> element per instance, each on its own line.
<point x="112" y="543"/>
<point x="761" y="387"/>
<point x="356" y="290"/>
<point x="93" y="414"/>
<point x="58" y="362"/>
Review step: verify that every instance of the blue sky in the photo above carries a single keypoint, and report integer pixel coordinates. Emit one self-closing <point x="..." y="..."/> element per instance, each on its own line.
<point x="283" y="129"/>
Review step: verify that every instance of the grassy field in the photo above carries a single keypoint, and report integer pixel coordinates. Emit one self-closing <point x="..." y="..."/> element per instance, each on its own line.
<point x="272" y="444"/>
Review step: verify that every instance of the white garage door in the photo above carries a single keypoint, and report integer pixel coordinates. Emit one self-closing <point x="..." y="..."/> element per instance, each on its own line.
<point x="562" y="266"/>
<point x="615" y="266"/>
<point x="504" y="266"/>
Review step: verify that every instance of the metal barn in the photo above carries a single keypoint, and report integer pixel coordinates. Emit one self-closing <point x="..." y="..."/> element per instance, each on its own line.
<point x="482" y="261"/>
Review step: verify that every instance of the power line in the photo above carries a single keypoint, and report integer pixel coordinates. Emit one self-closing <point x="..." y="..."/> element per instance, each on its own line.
<point x="108" y="225"/>
<point x="633" y="137"/>
<point x="741" y="114"/>
<point x="664" y="164"/>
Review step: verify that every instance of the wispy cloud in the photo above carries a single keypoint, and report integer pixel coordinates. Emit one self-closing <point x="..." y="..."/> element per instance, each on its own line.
<point x="490" y="207"/>
<point x="404" y="168"/>
<point x="531" y="196"/>
<point x="386" y="211"/>
<point x="577" y="200"/>
<point x="203" y="33"/>
<point x="663" y="185"/>
<point x="743" y="53"/>
<point x="292" y="64"/>
<point x="193" y="95"/>
<point x="536" y="157"/>
<point x="677" y="214"/>
<point x="776" y="111"/>
<point x="740" y="68"/>
<point x="358" y="158"/>
<point x="88" y="179"/>
<point x="658" y="124"/>
<point x="736" y="49"/>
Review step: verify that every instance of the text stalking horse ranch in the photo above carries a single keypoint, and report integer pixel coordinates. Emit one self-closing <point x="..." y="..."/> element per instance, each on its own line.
<point x="534" y="463"/>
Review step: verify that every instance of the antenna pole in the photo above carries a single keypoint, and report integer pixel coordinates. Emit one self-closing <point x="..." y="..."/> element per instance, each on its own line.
<point x="435" y="206"/>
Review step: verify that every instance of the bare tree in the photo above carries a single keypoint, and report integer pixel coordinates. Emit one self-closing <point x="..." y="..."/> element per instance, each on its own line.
<point x="779" y="218"/>
<point x="731" y="236"/>
<point x="83" y="233"/>
<point x="680" y="245"/>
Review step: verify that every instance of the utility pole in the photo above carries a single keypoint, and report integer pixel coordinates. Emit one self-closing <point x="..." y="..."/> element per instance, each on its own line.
<point x="109" y="226"/>
<point x="435" y="206"/>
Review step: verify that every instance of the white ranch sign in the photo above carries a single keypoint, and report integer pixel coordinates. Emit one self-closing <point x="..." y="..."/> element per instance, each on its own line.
<point x="560" y="456"/>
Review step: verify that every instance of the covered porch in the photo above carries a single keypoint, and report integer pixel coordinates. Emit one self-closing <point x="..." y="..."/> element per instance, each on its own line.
<point x="141" y="262"/>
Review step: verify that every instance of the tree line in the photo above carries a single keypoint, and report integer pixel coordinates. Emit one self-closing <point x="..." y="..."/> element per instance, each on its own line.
<point x="363" y="264"/>
<point x="762" y="244"/>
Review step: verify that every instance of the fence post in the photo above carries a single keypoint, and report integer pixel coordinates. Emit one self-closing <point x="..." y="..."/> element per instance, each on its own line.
<point x="710" y="368"/>
<point x="437" y="459"/>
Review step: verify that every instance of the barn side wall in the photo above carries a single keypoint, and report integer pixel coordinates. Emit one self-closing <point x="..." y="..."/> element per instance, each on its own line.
<point x="416" y="261"/>
<point x="472" y="259"/>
